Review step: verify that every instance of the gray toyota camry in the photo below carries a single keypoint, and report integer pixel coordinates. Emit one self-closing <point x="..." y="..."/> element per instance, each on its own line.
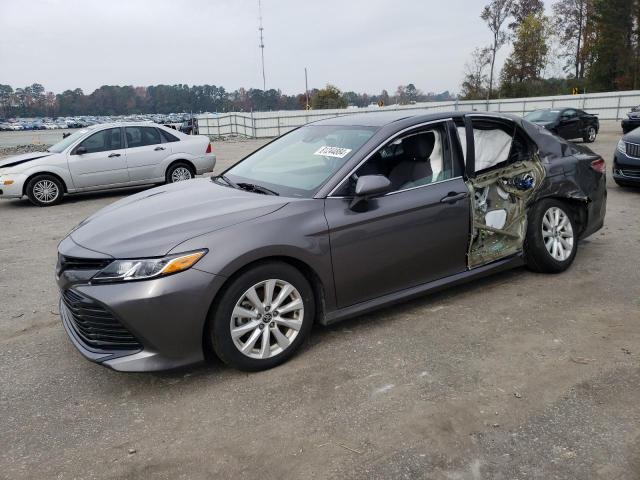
<point x="329" y="221"/>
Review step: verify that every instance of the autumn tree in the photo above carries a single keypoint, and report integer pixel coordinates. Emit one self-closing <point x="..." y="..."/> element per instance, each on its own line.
<point x="495" y="14"/>
<point x="529" y="55"/>
<point x="521" y="9"/>
<point x="474" y="85"/>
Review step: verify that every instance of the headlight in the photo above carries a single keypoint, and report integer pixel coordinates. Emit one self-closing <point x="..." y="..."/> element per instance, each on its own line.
<point x="143" y="269"/>
<point x="622" y="147"/>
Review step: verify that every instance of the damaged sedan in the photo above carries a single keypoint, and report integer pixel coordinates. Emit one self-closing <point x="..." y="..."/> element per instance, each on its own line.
<point x="331" y="220"/>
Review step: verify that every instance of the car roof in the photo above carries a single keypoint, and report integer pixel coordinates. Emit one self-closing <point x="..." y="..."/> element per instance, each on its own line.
<point x="381" y="119"/>
<point x="122" y="124"/>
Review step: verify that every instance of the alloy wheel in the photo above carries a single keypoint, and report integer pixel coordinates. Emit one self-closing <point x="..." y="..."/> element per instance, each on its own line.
<point x="180" y="174"/>
<point x="46" y="191"/>
<point x="592" y="134"/>
<point x="557" y="234"/>
<point x="267" y="318"/>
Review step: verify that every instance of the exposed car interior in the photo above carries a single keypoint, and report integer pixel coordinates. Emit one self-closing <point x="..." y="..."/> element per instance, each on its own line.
<point x="505" y="176"/>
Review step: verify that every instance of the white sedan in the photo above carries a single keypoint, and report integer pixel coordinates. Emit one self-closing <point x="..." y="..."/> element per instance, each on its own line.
<point x="103" y="157"/>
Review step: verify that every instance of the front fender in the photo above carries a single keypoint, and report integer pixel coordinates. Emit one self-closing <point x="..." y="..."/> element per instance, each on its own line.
<point x="56" y="170"/>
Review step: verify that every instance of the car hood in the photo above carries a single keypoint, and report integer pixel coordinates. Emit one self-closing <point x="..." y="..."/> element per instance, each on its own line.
<point x="25" y="159"/>
<point x="152" y="222"/>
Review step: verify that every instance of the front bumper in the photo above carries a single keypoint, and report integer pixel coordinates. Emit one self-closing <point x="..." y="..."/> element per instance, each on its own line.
<point x="15" y="189"/>
<point x="165" y="317"/>
<point x="625" y="168"/>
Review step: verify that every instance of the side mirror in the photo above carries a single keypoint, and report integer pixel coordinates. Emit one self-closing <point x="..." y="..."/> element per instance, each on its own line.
<point x="81" y="150"/>
<point x="369" y="186"/>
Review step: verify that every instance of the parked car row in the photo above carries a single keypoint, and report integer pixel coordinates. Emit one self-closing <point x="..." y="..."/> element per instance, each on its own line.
<point x="45" y="123"/>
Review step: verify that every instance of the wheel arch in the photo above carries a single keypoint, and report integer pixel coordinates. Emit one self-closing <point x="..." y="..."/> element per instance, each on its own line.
<point x="44" y="172"/>
<point x="303" y="267"/>
<point x="189" y="163"/>
<point x="577" y="207"/>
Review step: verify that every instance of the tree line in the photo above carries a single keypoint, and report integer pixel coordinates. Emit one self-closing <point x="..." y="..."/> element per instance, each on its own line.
<point x="596" y="41"/>
<point x="35" y="101"/>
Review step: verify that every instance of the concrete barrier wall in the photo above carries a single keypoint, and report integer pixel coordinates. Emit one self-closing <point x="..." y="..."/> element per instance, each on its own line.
<point x="608" y="106"/>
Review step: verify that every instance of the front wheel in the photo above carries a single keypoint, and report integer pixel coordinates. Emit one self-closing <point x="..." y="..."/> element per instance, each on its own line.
<point x="45" y="190"/>
<point x="551" y="241"/>
<point x="262" y="317"/>
<point x="179" y="172"/>
<point x="590" y="135"/>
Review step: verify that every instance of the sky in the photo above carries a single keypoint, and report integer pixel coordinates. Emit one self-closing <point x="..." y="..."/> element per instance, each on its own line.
<point x="364" y="46"/>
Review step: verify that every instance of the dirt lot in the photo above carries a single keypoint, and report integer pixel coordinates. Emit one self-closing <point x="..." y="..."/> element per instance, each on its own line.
<point x="516" y="376"/>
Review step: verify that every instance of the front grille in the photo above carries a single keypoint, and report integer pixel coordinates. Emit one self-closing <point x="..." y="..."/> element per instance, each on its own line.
<point x="96" y="326"/>
<point x="73" y="263"/>
<point x="630" y="172"/>
<point x="633" y="150"/>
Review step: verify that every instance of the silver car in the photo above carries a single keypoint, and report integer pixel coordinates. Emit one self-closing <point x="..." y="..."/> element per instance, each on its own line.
<point x="106" y="156"/>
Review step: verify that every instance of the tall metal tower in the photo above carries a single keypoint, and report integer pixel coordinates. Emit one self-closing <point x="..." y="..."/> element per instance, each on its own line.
<point x="260" y="29"/>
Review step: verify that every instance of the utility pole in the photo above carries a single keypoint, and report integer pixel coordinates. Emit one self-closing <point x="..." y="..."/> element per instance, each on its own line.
<point x="306" y="87"/>
<point x="260" y="29"/>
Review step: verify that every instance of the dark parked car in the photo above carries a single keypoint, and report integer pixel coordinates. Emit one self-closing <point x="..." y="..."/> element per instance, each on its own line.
<point x="190" y="127"/>
<point x="332" y="220"/>
<point x="632" y="121"/>
<point x="568" y="123"/>
<point x="626" y="160"/>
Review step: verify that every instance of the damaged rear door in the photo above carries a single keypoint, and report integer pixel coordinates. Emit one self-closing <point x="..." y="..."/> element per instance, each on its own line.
<point x="503" y="172"/>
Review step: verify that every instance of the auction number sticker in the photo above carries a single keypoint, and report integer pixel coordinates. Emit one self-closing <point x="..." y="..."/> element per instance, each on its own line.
<point x="337" y="152"/>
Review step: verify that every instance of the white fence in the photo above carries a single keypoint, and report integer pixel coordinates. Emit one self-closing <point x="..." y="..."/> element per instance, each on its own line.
<point x="608" y="106"/>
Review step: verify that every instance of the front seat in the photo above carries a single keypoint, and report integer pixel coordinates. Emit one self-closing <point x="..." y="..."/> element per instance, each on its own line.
<point x="415" y="167"/>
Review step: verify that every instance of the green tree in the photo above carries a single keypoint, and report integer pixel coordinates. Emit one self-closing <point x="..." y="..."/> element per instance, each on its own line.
<point x="573" y="22"/>
<point x="615" y="49"/>
<point x="328" y="97"/>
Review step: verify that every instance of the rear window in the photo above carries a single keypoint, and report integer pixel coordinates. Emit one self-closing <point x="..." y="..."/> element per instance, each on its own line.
<point x="167" y="137"/>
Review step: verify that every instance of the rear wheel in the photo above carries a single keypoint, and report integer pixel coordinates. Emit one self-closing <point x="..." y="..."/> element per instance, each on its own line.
<point x="45" y="190"/>
<point x="551" y="241"/>
<point x="178" y="172"/>
<point x="262" y="317"/>
<point x="590" y="135"/>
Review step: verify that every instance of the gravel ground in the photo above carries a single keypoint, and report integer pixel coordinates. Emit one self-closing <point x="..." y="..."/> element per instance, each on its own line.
<point x="517" y="376"/>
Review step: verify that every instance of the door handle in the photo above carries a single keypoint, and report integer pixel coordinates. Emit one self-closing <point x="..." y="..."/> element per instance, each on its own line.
<point x="453" y="197"/>
<point x="114" y="155"/>
<point x="158" y="148"/>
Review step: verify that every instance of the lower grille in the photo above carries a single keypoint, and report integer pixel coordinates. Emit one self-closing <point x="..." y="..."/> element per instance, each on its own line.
<point x="96" y="326"/>
<point x="633" y="149"/>
<point x="630" y="172"/>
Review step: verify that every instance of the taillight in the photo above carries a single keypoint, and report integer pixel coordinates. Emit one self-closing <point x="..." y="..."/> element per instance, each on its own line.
<point x="599" y="165"/>
<point x="208" y="148"/>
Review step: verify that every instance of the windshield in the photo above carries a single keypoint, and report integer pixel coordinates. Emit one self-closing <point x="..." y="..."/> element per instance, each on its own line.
<point x="298" y="163"/>
<point x="542" y="115"/>
<point x="65" y="142"/>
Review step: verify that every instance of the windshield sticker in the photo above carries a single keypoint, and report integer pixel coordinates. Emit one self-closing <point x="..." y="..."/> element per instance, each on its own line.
<point x="337" y="152"/>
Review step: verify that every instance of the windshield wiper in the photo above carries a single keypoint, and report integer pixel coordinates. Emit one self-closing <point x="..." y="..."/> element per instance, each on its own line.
<point x="257" y="188"/>
<point x="225" y="179"/>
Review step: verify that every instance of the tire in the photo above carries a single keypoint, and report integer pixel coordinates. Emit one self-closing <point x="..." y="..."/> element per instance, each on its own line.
<point x="539" y="251"/>
<point x="179" y="172"/>
<point x="45" y="190"/>
<point x="284" y="332"/>
<point x="590" y="135"/>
